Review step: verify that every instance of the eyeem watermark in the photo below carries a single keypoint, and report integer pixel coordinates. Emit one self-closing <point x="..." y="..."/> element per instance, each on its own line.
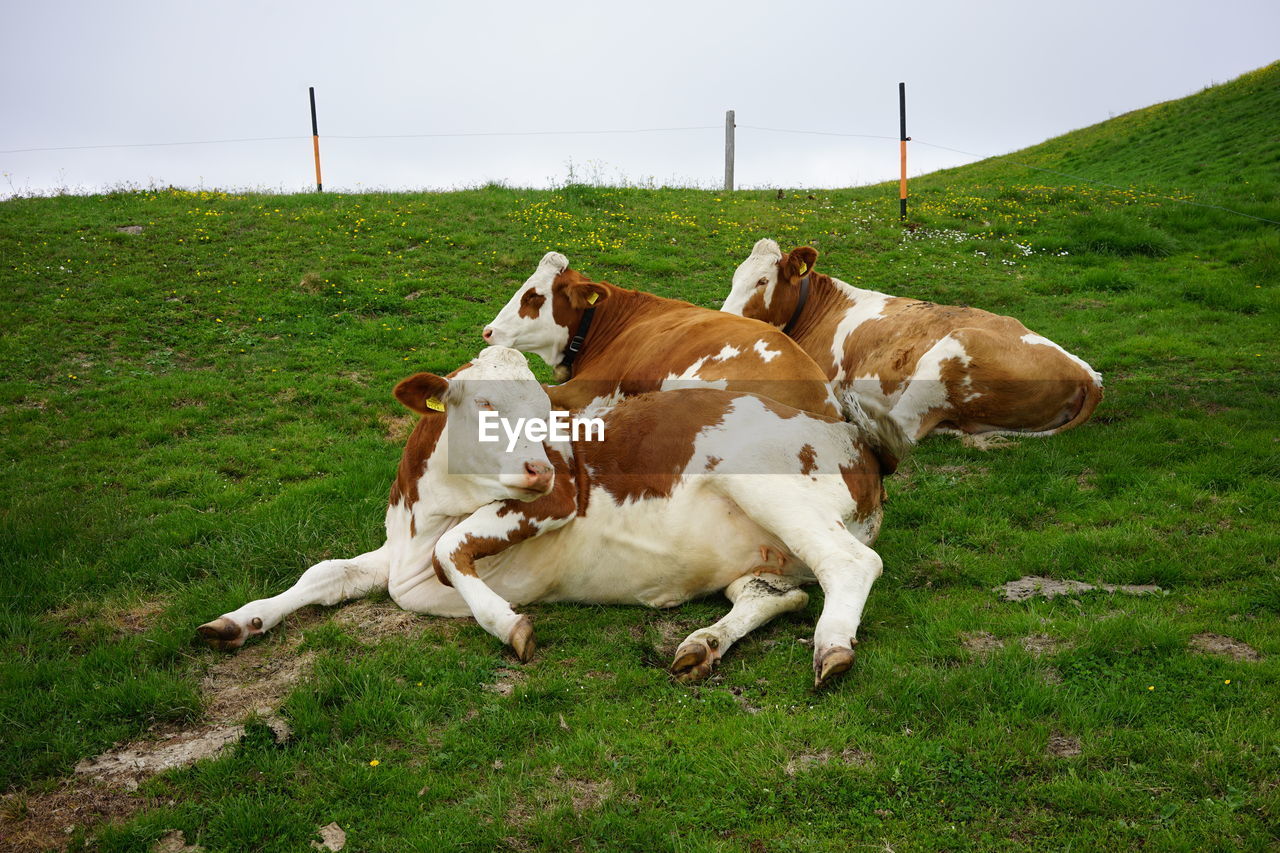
<point x="563" y="426"/>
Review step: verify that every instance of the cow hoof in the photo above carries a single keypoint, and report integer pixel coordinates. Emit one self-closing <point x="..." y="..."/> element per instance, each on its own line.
<point x="522" y="641"/>
<point x="222" y="633"/>
<point x="694" y="660"/>
<point x="829" y="663"/>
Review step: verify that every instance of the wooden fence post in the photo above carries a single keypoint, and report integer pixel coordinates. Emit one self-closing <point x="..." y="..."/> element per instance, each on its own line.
<point x="902" y="145"/>
<point x="315" y="139"/>
<point x="728" y="151"/>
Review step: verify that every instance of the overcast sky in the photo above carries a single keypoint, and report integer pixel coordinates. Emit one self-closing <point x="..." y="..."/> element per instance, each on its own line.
<point x="986" y="77"/>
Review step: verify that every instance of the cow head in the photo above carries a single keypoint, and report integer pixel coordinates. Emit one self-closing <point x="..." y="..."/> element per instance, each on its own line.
<point x="766" y="284"/>
<point x="545" y="312"/>
<point x="498" y="380"/>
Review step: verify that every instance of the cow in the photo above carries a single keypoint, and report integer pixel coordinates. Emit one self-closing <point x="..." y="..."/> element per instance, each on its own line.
<point x="609" y="342"/>
<point x="933" y="368"/>
<point x="687" y="493"/>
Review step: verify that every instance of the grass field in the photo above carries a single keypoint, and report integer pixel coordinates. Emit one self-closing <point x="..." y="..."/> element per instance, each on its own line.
<point x="195" y="413"/>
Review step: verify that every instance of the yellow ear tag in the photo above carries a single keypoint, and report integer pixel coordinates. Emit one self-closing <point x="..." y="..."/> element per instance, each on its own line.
<point x="592" y="297"/>
<point x="804" y="268"/>
<point x="434" y="404"/>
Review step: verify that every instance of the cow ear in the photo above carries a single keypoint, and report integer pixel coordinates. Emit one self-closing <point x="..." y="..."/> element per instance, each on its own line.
<point x="798" y="263"/>
<point x="423" y="392"/>
<point x="585" y="294"/>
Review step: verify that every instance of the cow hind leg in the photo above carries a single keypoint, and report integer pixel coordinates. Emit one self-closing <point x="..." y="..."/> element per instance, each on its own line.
<point x="757" y="599"/>
<point x="328" y="582"/>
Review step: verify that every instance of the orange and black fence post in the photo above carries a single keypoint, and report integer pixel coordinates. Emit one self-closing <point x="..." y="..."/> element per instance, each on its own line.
<point x="902" y="149"/>
<point x="315" y="140"/>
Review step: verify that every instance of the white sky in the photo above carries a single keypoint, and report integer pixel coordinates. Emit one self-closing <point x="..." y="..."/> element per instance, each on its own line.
<point x="986" y="77"/>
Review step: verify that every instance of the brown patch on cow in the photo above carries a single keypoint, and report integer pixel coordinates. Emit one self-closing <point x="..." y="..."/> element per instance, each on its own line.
<point x="1218" y="644"/>
<point x="637" y="340"/>
<point x="1007" y="384"/>
<point x="531" y="304"/>
<point x="649" y="450"/>
<point x="1034" y="585"/>
<point x="1038" y="645"/>
<point x="397" y="428"/>
<point x="1062" y="746"/>
<point x="865" y="482"/>
<point x="981" y="643"/>
<point x="421" y="444"/>
<point x="808" y="459"/>
<point x="806" y="761"/>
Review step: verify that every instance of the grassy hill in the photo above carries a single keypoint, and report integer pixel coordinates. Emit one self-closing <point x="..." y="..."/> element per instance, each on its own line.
<point x="194" y="413"/>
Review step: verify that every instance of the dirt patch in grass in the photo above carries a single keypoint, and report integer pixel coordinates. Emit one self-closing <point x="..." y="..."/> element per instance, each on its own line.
<point x="1217" y="644"/>
<point x="254" y="680"/>
<point x="397" y="427"/>
<point x="174" y="842"/>
<point x="1038" y="645"/>
<point x="587" y="794"/>
<point x="1034" y="585"/>
<point x="986" y="442"/>
<point x="981" y="642"/>
<point x="506" y="682"/>
<point x="376" y="620"/>
<point x="140" y="760"/>
<point x="50" y="821"/>
<point x="1063" y="746"/>
<point x="131" y="618"/>
<point x="805" y="761"/>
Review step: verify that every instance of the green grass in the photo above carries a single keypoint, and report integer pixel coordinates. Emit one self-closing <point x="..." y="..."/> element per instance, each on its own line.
<point x="194" y="414"/>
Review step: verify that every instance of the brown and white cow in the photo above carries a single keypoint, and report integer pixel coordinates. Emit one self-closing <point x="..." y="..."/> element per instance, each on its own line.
<point x="933" y="368"/>
<point x="630" y="342"/>
<point x="690" y="492"/>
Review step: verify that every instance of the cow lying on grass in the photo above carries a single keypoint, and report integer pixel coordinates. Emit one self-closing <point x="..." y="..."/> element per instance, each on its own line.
<point x="630" y="342"/>
<point x="933" y="368"/>
<point x="690" y="492"/>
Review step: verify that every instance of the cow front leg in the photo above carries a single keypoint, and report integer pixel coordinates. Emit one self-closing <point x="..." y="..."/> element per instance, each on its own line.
<point x="757" y="599"/>
<point x="328" y="582"/>
<point x="488" y="531"/>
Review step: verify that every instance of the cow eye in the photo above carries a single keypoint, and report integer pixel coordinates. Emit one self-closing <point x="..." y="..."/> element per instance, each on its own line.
<point x="484" y="404"/>
<point x="762" y="282"/>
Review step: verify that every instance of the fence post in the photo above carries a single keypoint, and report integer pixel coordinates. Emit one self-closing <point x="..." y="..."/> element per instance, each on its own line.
<point x="902" y="145"/>
<point x="728" y="151"/>
<point x="315" y="139"/>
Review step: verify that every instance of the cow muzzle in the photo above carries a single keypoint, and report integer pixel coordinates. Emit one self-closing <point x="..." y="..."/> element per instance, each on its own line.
<point x="538" y="477"/>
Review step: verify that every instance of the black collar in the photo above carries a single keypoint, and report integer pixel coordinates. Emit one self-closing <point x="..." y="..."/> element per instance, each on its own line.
<point x="575" y="345"/>
<point x="795" y="315"/>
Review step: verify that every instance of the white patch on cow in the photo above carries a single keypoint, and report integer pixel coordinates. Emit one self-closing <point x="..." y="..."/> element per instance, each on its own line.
<point x="689" y="378"/>
<point x="867" y="305"/>
<point x="1040" y="340"/>
<point x="926" y="390"/>
<point x="762" y="263"/>
<point x="766" y="354"/>
<point x="540" y="335"/>
<point x="726" y="352"/>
